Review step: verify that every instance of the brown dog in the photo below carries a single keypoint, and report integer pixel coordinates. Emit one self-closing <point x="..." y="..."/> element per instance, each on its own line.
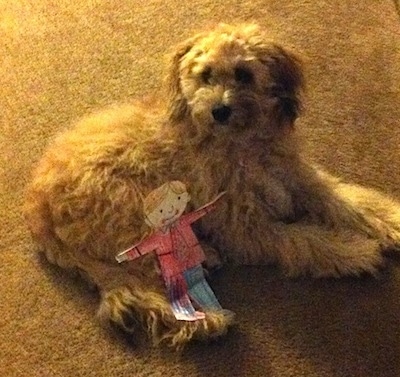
<point x="227" y="124"/>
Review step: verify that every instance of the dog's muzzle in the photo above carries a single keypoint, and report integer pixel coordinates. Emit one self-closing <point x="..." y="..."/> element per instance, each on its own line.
<point x="221" y="113"/>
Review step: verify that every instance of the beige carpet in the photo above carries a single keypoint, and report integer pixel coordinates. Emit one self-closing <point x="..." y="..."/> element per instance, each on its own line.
<point x="61" y="59"/>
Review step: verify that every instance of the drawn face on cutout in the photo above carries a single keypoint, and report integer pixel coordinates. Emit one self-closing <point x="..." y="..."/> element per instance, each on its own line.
<point x="169" y="210"/>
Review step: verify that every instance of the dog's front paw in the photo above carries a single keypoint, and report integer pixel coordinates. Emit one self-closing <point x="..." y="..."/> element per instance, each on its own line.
<point x="364" y="258"/>
<point x="213" y="261"/>
<point x="332" y="254"/>
<point x="390" y="247"/>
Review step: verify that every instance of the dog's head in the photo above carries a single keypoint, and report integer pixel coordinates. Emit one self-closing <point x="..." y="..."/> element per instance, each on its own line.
<point x="234" y="79"/>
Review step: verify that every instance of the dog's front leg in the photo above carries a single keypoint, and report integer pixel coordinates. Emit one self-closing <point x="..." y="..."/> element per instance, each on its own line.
<point x="381" y="212"/>
<point x="324" y="200"/>
<point x="321" y="232"/>
<point x="301" y="247"/>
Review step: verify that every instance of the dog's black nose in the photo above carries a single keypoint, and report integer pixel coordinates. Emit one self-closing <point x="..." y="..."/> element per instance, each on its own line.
<point x="221" y="113"/>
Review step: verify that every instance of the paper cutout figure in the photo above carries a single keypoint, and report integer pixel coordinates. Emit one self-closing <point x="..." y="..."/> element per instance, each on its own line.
<point x="178" y="250"/>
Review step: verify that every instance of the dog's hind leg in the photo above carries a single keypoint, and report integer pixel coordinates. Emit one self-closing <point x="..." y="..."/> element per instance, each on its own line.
<point x="131" y="296"/>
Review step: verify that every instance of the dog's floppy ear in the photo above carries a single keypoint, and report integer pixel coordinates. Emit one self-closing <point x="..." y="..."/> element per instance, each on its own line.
<point x="287" y="80"/>
<point x="177" y="106"/>
<point x="287" y="73"/>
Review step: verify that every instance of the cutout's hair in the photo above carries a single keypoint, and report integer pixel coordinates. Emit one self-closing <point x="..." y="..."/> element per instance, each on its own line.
<point x="155" y="198"/>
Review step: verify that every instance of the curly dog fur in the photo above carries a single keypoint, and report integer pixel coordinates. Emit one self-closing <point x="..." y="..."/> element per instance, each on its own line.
<point x="225" y="123"/>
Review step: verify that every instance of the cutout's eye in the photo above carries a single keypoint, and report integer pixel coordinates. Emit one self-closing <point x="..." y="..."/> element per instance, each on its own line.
<point x="243" y="76"/>
<point x="179" y="198"/>
<point x="161" y="211"/>
<point x="206" y="75"/>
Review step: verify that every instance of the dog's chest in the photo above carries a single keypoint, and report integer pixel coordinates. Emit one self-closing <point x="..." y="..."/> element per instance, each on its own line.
<point x="249" y="169"/>
<point x="260" y="179"/>
<point x="250" y="165"/>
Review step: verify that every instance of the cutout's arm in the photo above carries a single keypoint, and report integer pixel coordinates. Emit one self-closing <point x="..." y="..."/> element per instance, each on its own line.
<point x="202" y="211"/>
<point x="144" y="247"/>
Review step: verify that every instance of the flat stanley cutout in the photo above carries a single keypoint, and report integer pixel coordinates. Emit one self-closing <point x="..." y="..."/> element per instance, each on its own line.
<point x="178" y="250"/>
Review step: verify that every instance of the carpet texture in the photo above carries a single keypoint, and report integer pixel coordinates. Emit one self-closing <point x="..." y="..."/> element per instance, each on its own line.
<point x="62" y="59"/>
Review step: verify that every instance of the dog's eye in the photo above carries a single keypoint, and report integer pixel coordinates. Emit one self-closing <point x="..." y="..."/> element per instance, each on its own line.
<point x="206" y="75"/>
<point x="243" y="76"/>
